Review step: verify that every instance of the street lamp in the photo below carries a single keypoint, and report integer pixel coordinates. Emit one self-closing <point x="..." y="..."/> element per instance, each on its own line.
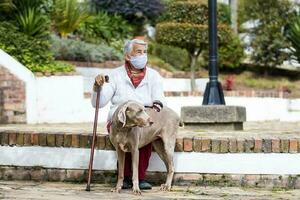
<point x="213" y="94"/>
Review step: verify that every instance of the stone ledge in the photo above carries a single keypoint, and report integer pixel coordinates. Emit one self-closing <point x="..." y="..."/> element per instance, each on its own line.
<point x="183" y="144"/>
<point x="9" y="173"/>
<point x="213" y="114"/>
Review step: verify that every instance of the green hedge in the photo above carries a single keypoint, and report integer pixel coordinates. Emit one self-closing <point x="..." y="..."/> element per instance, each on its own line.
<point x="194" y="11"/>
<point x="32" y="52"/>
<point x="75" y="50"/>
<point x="184" y="34"/>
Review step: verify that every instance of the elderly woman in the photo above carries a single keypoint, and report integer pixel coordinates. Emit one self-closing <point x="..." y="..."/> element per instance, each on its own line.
<point x="132" y="81"/>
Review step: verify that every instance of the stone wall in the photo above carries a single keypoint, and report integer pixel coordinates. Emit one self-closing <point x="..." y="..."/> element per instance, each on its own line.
<point x="12" y="98"/>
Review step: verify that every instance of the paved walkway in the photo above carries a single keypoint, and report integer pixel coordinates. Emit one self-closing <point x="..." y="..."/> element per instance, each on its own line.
<point x="67" y="191"/>
<point x="251" y="129"/>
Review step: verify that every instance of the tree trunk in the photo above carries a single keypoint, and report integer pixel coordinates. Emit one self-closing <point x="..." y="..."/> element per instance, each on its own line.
<point x="233" y="11"/>
<point x="193" y="59"/>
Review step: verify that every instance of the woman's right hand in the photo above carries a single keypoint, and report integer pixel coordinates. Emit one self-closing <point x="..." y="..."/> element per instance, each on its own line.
<point x="99" y="81"/>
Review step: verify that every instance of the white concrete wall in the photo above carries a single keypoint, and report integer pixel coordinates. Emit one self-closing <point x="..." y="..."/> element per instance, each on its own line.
<point x="185" y="162"/>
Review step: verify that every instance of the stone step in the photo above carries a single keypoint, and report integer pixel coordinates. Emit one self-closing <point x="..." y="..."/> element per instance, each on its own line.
<point x="9" y="173"/>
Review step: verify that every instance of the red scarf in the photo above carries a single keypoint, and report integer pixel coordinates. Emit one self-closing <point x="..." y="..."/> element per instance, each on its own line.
<point x="135" y="79"/>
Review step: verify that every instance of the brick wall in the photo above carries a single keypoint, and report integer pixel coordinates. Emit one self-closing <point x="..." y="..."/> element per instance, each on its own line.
<point x="211" y="144"/>
<point x="12" y="98"/>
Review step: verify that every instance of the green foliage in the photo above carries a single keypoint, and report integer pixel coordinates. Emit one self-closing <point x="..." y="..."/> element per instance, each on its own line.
<point x="29" y="16"/>
<point x="34" y="53"/>
<point x="156" y="61"/>
<point x="194" y="12"/>
<point x="185" y="25"/>
<point x="105" y="28"/>
<point x="269" y="43"/>
<point x="188" y="36"/>
<point x="176" y="57"/>
<point x="68" y="15"/>
<point x="294" y="36"/>
<point x="32" y="22"/>
<point x="26" y="49"/>
<point x="6" y="5"/>
<point x="55" y="66"/>
<point x="230" y="55"/>
<point x="74" y="50"/>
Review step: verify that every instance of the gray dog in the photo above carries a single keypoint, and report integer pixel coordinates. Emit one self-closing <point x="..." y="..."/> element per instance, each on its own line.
<point x="133" y="127"/>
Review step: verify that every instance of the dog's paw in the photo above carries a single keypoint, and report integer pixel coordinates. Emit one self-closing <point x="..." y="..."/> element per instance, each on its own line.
<point x="165" y="187"/>
<point x="116" y="189"/>
<point x="136" y="191"/>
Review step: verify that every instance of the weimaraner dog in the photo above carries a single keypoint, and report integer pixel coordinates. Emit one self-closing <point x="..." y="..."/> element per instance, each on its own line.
<point x="133" y="127"/>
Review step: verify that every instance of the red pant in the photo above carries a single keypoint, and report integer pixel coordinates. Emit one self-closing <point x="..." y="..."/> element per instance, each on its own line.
<point x="144" y="156"/>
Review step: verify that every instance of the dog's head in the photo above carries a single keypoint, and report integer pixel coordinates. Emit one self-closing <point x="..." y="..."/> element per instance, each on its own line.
<point x="133" y="114"/>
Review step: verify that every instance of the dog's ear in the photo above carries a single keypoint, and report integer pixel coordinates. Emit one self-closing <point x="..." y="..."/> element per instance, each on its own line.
<point x="122" y="114"/>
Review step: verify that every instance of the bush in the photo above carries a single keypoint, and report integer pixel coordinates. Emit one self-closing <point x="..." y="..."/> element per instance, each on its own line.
<point x="54" y="66"/>
<point x="32" y="52"/>
<point x="135" y="11"/>
<point x="194" y="11"/>
<point x="68" y="15"/>
<point x="230" y="55"/>
<point x="293" y="34"/>
<point x="26" y="49"/>
<point x="30" y="16"/>
<point x="74" y="50"/>
<point x="105" y="28"/>
<point x="176" y="57"/>
<point x="156" y="61"/>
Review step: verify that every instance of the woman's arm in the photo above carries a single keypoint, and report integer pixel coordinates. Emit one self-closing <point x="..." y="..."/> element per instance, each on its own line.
<point x="106" y="93"/>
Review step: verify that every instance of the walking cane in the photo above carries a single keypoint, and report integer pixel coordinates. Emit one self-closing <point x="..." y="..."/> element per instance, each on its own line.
<point x="88" y="186"/>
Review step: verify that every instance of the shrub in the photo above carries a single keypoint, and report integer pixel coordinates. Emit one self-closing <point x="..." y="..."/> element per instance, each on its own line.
<point x="293" y="34"/>
<point x="176" y="57"/>
<point x="105" y="28"/>
<point x="194" y="12"/>
<point x="26" y="49"/>
<point x="34" y="53"/>
<point x="155" y="61"/>
<point x="74" y="50"/>
<point x="230" y="55"/>
<point x="68" y="15"/>
<point x="137" y="12"/>
<point x="29" y="15"/>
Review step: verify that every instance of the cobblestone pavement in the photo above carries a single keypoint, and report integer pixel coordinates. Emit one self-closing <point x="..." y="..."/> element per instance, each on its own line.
<point x="67" y="191"/>
<point x="251" y="129"/>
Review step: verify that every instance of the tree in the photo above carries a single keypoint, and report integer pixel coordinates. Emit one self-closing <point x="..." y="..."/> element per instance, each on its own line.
<point x="186" y="26"/>
<point x="269" y="43"/>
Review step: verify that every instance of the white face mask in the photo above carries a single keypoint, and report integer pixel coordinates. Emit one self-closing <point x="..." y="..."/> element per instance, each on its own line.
<point x="139" y="62"/>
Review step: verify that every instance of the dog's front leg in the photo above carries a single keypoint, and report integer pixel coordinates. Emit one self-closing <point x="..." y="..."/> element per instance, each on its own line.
<point x="135" y="168"/>
<point x="121" y="163"/>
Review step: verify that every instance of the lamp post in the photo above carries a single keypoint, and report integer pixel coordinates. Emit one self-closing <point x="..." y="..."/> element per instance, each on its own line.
<point x="213" y="94"/>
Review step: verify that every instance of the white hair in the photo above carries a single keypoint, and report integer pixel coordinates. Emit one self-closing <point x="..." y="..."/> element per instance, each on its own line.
<point x="129" y="44"/>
